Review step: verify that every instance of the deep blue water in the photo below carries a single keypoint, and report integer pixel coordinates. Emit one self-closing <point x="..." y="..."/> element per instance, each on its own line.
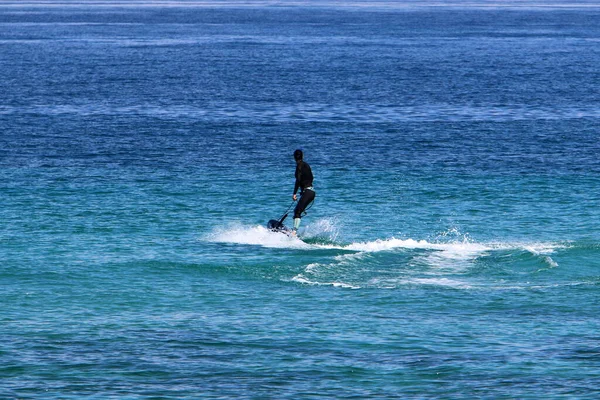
<point x="453" y="249"/>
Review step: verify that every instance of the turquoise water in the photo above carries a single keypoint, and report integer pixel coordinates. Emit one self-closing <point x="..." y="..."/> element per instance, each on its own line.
<point x="452" y="251"/>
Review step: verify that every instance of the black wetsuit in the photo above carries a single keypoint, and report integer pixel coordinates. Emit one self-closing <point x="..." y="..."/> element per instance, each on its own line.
<point x="304" y="181"/>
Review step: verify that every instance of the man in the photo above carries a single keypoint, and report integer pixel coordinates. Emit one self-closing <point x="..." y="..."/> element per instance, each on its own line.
<point x="304" y="182"/>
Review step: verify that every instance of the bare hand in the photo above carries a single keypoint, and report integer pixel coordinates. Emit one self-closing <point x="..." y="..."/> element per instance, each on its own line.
<point x="294" y="197"/>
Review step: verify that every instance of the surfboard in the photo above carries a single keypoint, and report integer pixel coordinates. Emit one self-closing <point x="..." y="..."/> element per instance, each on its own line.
<point x="277" y="226"/>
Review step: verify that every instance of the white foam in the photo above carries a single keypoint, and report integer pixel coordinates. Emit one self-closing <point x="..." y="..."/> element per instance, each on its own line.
<point x="541" y="248"/>
<point x="255" y="235"/>
<point x="326" y="228"/>
<point x="457" y="248"/>
<point x="312" y="267"/>
<point x="444" y="282"/>
<point x="441" y="255"/>
<point x="551" y="263"/>
<point x="302" y="279"/>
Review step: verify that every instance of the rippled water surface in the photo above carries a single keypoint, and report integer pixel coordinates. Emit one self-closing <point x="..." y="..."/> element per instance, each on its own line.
<point x="452" y="250"/>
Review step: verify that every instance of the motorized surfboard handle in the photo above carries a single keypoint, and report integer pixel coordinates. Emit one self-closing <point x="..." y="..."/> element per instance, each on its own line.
<point x="277" y="225"/>
<point x="283" y="218"/>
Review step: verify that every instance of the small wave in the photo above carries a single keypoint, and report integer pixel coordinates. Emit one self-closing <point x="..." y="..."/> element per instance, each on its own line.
<point x="542" y="248"/>
<point x="542" y="252"/>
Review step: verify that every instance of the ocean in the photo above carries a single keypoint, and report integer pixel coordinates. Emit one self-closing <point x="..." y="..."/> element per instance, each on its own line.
<point x="452" y="251"/>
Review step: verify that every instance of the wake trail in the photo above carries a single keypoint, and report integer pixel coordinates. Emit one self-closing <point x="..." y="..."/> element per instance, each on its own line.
<point x="324" y="236"/>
